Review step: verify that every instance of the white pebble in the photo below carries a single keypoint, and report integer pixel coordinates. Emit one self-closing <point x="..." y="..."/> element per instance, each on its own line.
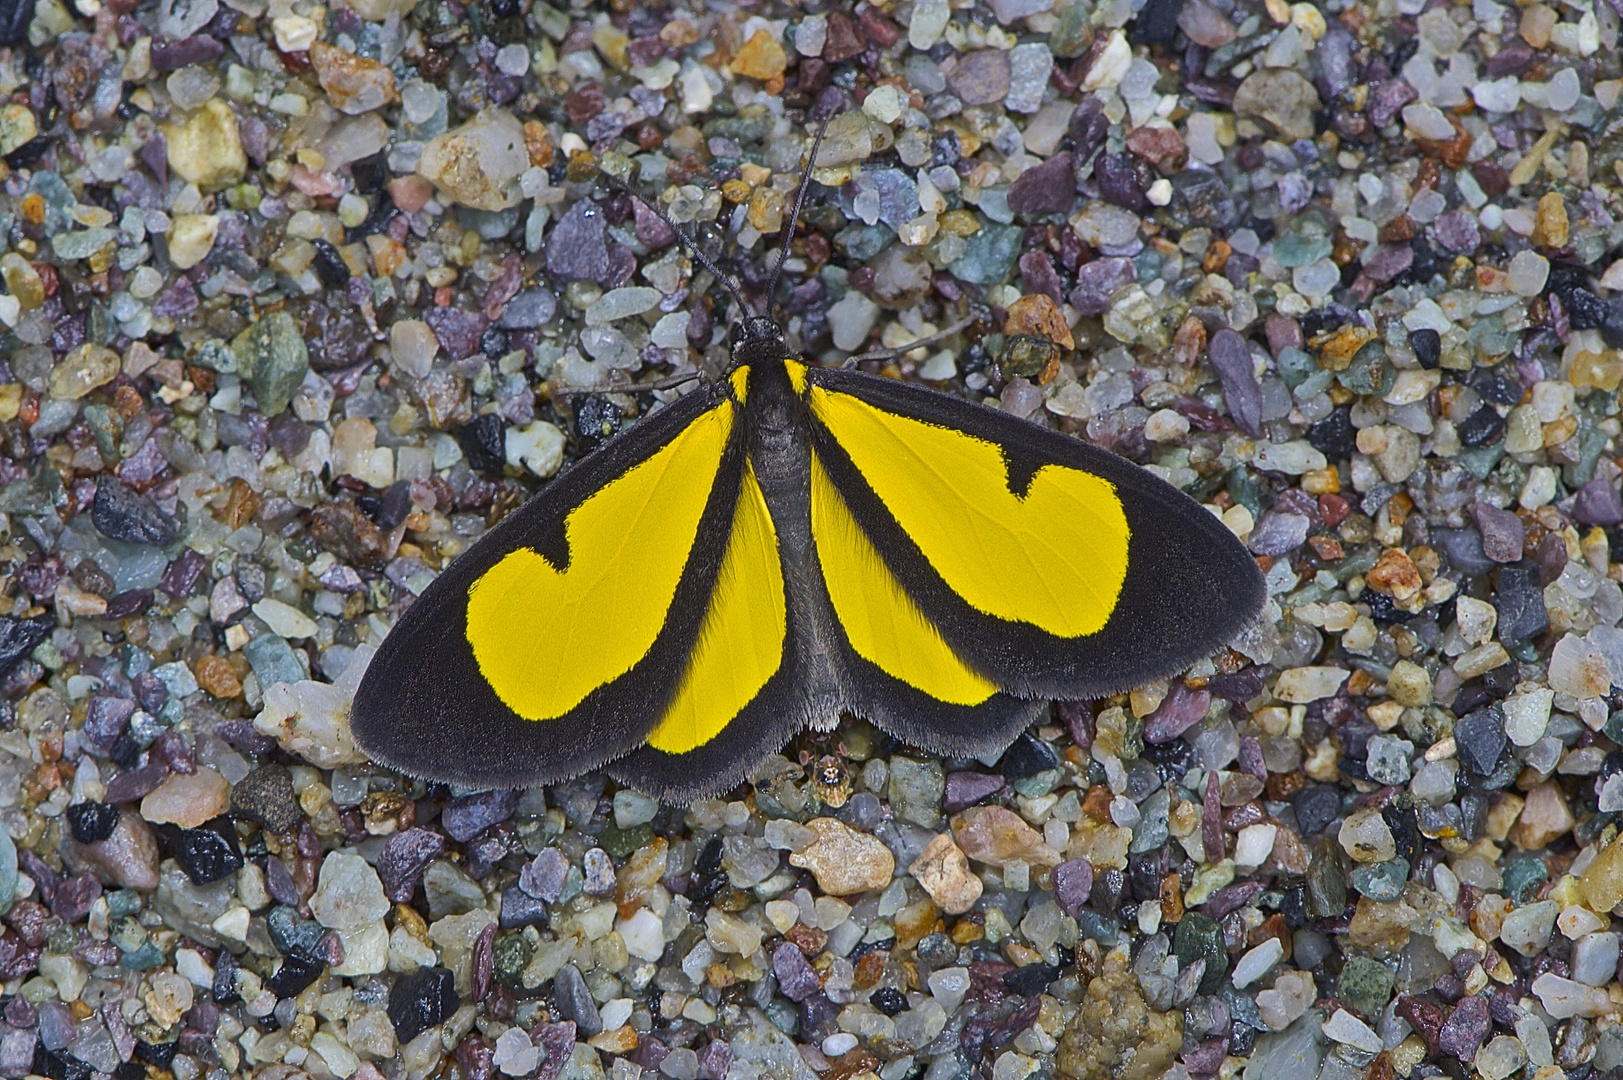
<point x="839" y="1044"/>
<point x="1346" y="1028"/>
<point x="1253" y="846"/>
<point x="514" y="1054"/>
<point x="1594" y="958"/>
<point x="1498" y="95"/>
<point x="644" y="935"/>
<point x="284" y="620"/>
<point x="850" y="319"/>
<point x="538" y="447"/>
<point x="1427" y="121"/>
<point x="1256" y="962"/>
<point x="1527" y="714"/>
<point x="1528" y="272"/>
<point x="1564" y="998"/>
<point x="513" y="60"/>
<point x="1166" y="425"/>
<point x="615" y="1013"/>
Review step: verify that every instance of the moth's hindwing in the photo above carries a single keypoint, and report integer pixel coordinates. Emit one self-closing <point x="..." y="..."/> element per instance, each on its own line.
<point x="903" y="675"/>
<point x="736" y="701"/>
<point x="1050" y="568"/>
<point x="553" y="646"/>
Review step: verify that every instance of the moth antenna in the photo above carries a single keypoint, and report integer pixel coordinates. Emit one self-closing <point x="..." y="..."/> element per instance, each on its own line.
<point x="687" y="242"/>
<point x="794" y="219"/>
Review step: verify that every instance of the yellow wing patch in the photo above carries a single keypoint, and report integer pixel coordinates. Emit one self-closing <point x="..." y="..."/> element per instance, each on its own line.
<point x="882" y="622"/>
<point x="797" y="375"/>
<point x="741" y="642"/>
<point x="545" y="638"/>
<point x="1055" y="557"/>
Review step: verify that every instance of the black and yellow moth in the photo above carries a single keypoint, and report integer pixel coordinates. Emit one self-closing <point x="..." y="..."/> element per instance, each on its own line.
<point x="783" y="546"/>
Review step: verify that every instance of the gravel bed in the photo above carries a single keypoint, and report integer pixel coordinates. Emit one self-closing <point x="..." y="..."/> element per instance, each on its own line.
<point x="300" y="300"/>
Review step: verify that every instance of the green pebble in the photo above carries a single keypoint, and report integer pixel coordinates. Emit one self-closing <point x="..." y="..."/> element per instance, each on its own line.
<point x="510" y="955"/>
<point x="1101" y="928"/>
<point x="863" y="242"/>
<point x="1383" y="881"/>
<point x="8" y="869"/>
<point x="989" y="255"/>
<point x="1366" y="985"/>
<point x="1326" y="882"/>
<point x="916" y="788"/>
<point x="620" y="843"/>
<point x="1199" y="937"/>
<point x="1523" y="877"/>
<point x="273" y="661"/>
<point x="274" y="360"/>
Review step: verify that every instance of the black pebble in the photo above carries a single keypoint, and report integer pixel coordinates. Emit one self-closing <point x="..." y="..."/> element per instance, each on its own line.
<point x="484" y="441"/>
<point x="1031" y="980"/>
<point x="329" y="265"/>
<point x="707" y="879"/>
<point x="937" y="950"/>
<point x="224" y="987"/>
<point x="1481" y="738"/>
<point x="1498" y="389"/>
<point x="1173" y="759"/>
<point x="1157" y="23"/>
<point x="130" y="1070"/>
<point x="1382" y="608"/>
<point x="1316" y="807"/>
<point x="1585" y="310"/>
<point x="161" y="1054"/>
<point x="369" y="173"/>
<point x="1334" y="436"/>
<point x="19" y="637"/>
<point x="520" y="909"/>
<point x="1486" y="688"/>
<point x="207" y="853"/>
<point x="1520" y="602"/>
<point x="1405" y="832"/>
<point x="596" y="418"/>
<point x="421" y="1000"/>
<point x="1293" y="906"/>
<point x="15" y="15"/>
<point x="28" y="154"/>
<point x="1481" y="427"/>
<point x="888" y="1000"/>
<point x="91" y="822"/>
<point x="125" y="751"/>
<point x="503" y="9"/>
<point x="1611" y="324"/>
<point x="59" y="1065"/>
<point x="1428" y="347"/>
<point x="121" y="514"/>
<point x="266" y="797"/>
<point x="1027" y="756"/>
<point x="298" y="972"/>
<point x="395" y="506"/>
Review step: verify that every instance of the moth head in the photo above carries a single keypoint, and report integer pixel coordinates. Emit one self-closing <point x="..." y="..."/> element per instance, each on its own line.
<point x="757" y="339"/>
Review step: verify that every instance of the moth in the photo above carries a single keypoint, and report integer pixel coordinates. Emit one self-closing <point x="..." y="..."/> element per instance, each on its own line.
<point x="783" y="546"/>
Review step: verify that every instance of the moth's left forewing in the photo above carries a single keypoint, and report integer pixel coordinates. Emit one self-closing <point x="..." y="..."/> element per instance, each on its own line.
<point x="1052" y="567"/>
<point x="545" y="650"/>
